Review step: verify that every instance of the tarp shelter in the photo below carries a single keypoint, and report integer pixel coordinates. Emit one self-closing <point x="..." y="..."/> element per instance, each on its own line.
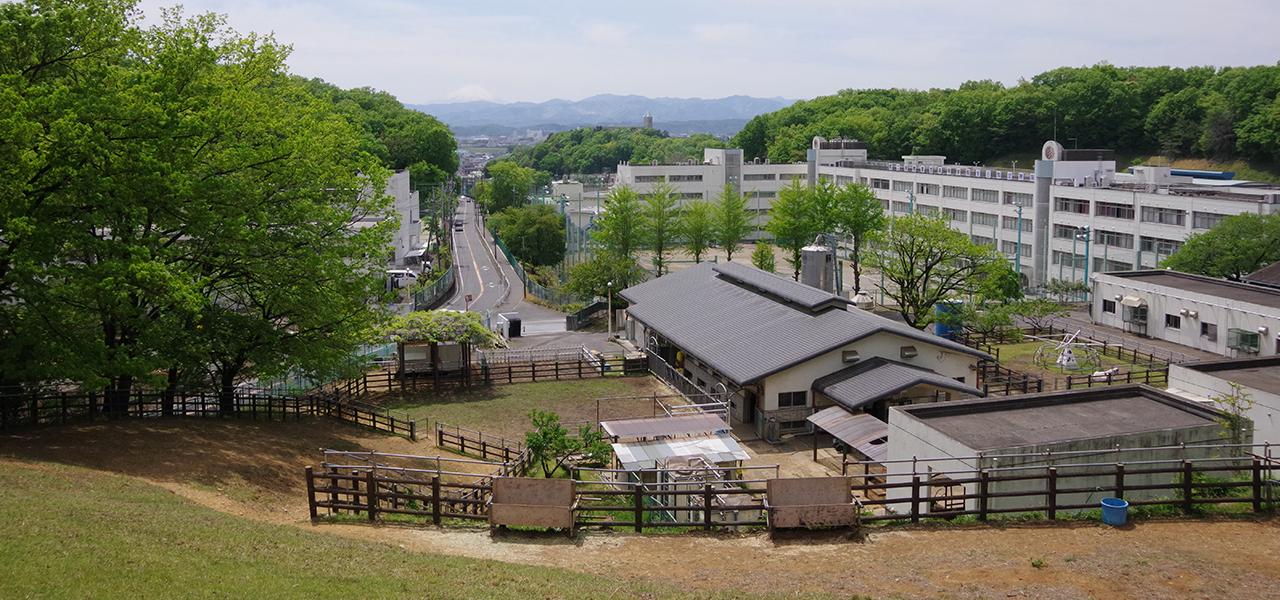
<point x="856" y="431"/>
<point x="653" y="454"/>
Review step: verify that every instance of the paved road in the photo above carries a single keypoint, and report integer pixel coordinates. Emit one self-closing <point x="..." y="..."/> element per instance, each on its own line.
<point x="478" y="275"/>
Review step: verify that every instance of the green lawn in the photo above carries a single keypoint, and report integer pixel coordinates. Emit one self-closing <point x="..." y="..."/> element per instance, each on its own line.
<point x="1021" y="358"/>
<point x="502" y="410"/>
<point x="75" y="533"/>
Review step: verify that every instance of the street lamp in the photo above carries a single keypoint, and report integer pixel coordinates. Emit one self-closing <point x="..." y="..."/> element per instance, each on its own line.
<point x="1087" y="235"/>
<point x="609" y="293"/>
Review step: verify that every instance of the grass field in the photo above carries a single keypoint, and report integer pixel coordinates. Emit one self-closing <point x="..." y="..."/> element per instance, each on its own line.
<point x="503" y="410"/>
<point x="74" y="533"/>
<point x="1021" y="358"/>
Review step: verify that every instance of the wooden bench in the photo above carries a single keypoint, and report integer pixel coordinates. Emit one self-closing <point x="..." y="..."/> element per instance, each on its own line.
<point x="811" y="502"/>
<point x="533" y="502"/>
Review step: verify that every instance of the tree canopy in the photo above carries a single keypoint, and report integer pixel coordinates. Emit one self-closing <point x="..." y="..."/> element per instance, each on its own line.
<point x="597" y="149"/>
<point x="171" y="205"/>
<point x="535" y="234"/>
<point x="1238" y="246"/>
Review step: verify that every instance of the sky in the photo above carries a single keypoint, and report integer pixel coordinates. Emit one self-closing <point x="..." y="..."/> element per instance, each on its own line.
<point x="522" y="51"/>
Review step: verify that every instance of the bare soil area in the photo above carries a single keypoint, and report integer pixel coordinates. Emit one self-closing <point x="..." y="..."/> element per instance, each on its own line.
<point x="255" y="470"/>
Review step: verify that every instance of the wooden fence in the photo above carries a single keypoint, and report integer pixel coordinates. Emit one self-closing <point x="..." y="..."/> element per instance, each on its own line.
<point x="475" y="443"/>
<point x="638" y="506"/>
<point x="995" y="379"/>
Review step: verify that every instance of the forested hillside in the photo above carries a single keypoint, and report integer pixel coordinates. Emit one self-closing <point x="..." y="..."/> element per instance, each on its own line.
<point x="592" y="150"/>
<point x="1203" y="112"/>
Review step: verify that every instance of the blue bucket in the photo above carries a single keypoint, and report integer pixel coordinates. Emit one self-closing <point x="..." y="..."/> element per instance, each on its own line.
<point x="1114" y="511"/>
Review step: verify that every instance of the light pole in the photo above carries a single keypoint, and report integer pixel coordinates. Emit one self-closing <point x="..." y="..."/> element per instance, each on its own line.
<point x="1088" y="237"/>
<point x="1017" y="253"/>
<point x="609" y="294"/>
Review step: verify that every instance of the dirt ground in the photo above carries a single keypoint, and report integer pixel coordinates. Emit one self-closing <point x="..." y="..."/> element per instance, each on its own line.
<point x="255" y="470"/>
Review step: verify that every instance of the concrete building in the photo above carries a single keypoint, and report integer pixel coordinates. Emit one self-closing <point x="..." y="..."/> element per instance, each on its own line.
<point x="1073" y="215"/>
<point x="1081" y="427"/>
<point x="408" y="233"/>
<point x="1258" y="377"/>
<point x="782" y="350"/>
<point x="1223" y="317"/>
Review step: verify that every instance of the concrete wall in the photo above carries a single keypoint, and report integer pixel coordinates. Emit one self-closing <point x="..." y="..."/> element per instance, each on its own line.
<point x="1225" y="313"/>
<point x="1265" y="413"/>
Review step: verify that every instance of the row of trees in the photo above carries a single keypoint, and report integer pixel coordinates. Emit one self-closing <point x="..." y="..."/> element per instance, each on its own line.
<point x="596" y="150"/>
<point x="176" y="210"/>
<point x="1198" y="111"/>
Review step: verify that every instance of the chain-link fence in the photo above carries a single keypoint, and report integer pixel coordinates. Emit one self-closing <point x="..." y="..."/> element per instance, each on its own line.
<point x="532" y="287"/>
<point x="429" y="294"/>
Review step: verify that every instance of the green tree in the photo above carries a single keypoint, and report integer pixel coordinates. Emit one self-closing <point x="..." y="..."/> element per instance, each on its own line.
<point x="762" y="257"/>
<point x="619" y="228"/>
<point x="730" y="219"/>
<point x="659" y="225"/>
<point x="792" y="222"/>
<point x="1233" y="407"/>
<point x="535" y="234"/>
<point x="551" y="446"/>
<point x="696" y="228"/>
<point x="858" y="214"/>
<point x="592" y="278"/>
<point x="924" y="261"/>
<point x="1239" y="245"/>
<point x="508" y="186"/>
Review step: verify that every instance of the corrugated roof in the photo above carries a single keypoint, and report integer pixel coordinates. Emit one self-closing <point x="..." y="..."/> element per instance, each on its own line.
<point x="875" y="378"/>
<point x="804" y="295"/>
<point x="665" y="426"/>
<point x="743" y="332"/>
<point x="655" y="454"/>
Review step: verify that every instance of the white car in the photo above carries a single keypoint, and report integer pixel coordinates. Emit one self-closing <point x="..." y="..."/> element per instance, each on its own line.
<point x="401" y="278"/>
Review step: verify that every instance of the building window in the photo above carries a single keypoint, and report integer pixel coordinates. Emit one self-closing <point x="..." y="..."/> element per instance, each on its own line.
<point x="1065" y="232"/>
<point x="1114" y="239"/>
<point x="1164" y="216"/>
<point x="1072" y="205"/>
<point x="951" y="191"/>
<point x="793" y="399"/>
<point x="691" y="196"/>
<point x="759" y="194"/>
<point x="793" y="425"/>
<point x="981" y="195"/>
<point x="902" y="186"/>
<point x="1160" y="246"/>
<point x="925" y="209"/>
<point x="650" y="178"/>
<point x="1249" y="342"/>
<point x="675" y="178"/>
<point x="1109" y="306"/>
<point x="1173" y="321"/>
<point x="1011" y="248"/>
<point x="1018" y="199"/>
<point x="788" y="176"/>
<point x="1114" y="211"/>
<point x="901" y="207"/>
<point x="1067" y="259"/>
<point x="983" y="241"/>
<point x="1012" y="223"/>
<point x="759" y="176"/>
<point x="1209" y="331"/>
<point x="1203" y="220"/>
<point x="931" y="189"/>
<point x="1103" y="265"/>
<point x="985" y="219"/>
<point x="879" y="184"/>
<point x="955" y="215"/>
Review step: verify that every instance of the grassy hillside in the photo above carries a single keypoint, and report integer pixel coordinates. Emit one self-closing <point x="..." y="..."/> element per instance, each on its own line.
<point x="74" y="533"/>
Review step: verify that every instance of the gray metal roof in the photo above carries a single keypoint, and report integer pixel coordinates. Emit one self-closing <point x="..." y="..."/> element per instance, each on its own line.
<point x="743" y="331"/>
<point x="856" y="431"/>
<point x="804" y="295"/>
<point x="870" y="380"/>
<point x="653" y="427"/>
<point x="1188" y="282"/>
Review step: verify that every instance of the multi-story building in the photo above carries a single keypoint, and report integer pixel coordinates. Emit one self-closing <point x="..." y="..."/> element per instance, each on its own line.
<point x="1070" y="216"/>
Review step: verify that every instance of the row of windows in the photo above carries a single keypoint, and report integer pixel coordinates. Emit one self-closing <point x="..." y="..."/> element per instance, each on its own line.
<point x="1158" y="245"/>
<point x="982" y="240"/>
<point x="982" y="195"/>
<point x="1012" y="223"/>
<point x="879" y="184"/>
<point x="650" y="178"/>
<point x="1203" y="220"/>
<point x="1114" y="211"/>
<point x="1113" y="239"/>
<point x="1164" y="216"/>
<point x="682" y="178"/>
<point x="1103" y="265"/>
<point x="1067" y="259"/>
<point x="1071" y="205"/>
<point x="987" y="219"/>
<point x="955" y="214"/>
<point x="902" y="186"/>
<point x="1018" y="199"/>
<point x="931" y="189"/>
<point x="951" y="191"/>
<point x="759" y="177"/>
<point x="1011" y="248"/>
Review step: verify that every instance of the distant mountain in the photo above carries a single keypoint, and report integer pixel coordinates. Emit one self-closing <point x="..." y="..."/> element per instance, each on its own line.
<point x="604" y="109"/>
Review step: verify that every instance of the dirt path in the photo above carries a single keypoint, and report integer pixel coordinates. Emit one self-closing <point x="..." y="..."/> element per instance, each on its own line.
<point x="255" y="470"/>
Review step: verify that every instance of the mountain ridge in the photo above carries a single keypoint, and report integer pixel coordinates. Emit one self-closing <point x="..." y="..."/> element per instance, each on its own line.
<point x="601" y="109"/>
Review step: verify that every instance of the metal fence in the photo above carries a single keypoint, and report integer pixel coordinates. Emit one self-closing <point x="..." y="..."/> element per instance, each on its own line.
<point x="532" y="287"/>
<point x="427" y="296"/>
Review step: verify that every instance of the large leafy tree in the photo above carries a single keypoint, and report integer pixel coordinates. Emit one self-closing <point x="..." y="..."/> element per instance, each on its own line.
<point x="535" y="234"/>
<point x="660" y="224"/>
<point x="730" y="219"/>
<point x="619" y="229"/>
<point x="793" y="222"/>
<point x="178" y="207"/>
<point x="509" y="185"/>
<point x="858" y="214"/>
<point x="1239" y="245"/>
<point x="604" y="276"/>
<point x="924" y="261"/>
<point x="696" y="228"/>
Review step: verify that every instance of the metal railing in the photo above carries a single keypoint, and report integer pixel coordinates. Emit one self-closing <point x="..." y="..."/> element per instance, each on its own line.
<point x="427" y="296"/>
<point x="532" y="287"/>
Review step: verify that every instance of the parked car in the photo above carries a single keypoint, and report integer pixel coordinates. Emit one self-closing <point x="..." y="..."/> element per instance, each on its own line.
<point x="401" y="278"/>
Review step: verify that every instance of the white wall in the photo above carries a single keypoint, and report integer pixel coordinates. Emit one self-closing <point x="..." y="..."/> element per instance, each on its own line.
<point x="1265" y="413"/>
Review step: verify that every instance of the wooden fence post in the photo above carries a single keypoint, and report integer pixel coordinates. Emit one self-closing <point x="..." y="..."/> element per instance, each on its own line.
<point x="1052" y="496"/>
<point x="371" y="493"/>
<point x="915" y="499"/>
<point x="1257" y="485"/>
<point x="639" y="500"/>
<point x="435" y="500"/>
<point x="1186" y="486"/>
<point x="983" y="487"/>
<point x="1120" y="480"/>
<point x="706" y="506"/>
<point x="311" y="492"/>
